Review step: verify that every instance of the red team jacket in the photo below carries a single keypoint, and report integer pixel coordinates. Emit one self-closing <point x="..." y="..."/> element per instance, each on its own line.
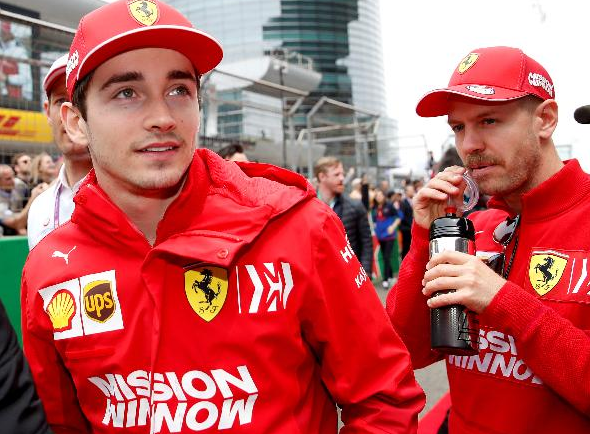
<point x="532" y="373"/>
<point x="250" y="314"/>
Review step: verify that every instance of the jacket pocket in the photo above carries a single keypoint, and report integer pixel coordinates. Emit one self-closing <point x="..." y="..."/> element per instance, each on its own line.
<point x="90" y="353"/>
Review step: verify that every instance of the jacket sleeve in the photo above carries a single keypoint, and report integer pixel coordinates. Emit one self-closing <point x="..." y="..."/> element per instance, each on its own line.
<point x="555" y="349"/>
<point x="54" y="384"/>
<point x="366" y="239"/>
<point x="406" y="305"/>
<point x="363" y="363"/>
<point x="20" y="408"/>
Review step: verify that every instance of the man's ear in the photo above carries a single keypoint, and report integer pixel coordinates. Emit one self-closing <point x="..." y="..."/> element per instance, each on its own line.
<point x="546" y="116"/>
<point x="74" y="124"/>
<point x="46" y="109"/>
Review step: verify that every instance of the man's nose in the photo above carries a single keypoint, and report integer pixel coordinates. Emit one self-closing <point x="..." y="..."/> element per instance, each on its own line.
<point x="470" y="141"/>
<point x="159" y="116"/>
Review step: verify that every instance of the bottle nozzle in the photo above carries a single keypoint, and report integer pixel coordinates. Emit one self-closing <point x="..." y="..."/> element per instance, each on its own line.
<point x="450" y="211"/>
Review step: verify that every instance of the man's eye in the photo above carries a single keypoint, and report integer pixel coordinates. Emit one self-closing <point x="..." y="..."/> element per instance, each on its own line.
<point x="457" y="128"/>
<point x="180" y="91"/>
<point x="58" y="102"/>
<point x="125" y="93"/>
<point x="489" y="121"/>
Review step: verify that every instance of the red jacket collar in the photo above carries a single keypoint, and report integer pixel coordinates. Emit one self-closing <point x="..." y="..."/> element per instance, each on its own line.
<point x="218" y="195"/>
<point x="554" y="196"/>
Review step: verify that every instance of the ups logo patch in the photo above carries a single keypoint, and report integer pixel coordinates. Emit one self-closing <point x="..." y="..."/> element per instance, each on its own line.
<point x="99" y="304"/>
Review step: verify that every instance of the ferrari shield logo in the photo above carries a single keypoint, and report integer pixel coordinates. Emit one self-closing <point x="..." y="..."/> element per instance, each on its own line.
<point x="145" y="12"/>
<point x="206" y="290"/>
<point x="467" y="62"/>
<point x="546" y="270"/>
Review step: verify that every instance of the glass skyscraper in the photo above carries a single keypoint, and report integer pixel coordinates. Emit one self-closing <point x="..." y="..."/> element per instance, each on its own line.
<point x="341" y="36"/>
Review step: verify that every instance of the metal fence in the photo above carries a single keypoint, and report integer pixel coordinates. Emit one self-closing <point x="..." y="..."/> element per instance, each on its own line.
<point x="29" y="46"/>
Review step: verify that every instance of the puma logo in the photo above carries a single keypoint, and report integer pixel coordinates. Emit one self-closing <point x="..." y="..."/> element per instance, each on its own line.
<point x="64" y="256"/>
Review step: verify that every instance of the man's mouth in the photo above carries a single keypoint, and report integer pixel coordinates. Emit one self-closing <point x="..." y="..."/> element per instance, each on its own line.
<point x="158" y="149"/>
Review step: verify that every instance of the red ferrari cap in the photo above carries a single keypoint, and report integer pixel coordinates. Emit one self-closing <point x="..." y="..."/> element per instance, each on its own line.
<point x="126" y="25"/>
<point x="490" y="74"/>
<point x="56" y="71"/>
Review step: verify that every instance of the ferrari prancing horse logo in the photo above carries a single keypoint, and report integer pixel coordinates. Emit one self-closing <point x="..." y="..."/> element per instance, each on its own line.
<point x="144" y="11"/>
<point x="467" y="62"/>
<point x="545" y="270"/>
<point x="206" y="290"/>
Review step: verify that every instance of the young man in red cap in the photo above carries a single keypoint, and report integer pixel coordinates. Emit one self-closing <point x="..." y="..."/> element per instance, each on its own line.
<point x="188" y="293"/>
<point x="532" y="372"/>
<point x="56" y="204"/>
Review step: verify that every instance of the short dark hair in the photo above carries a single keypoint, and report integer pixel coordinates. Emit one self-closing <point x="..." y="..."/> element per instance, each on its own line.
<point x="79" y="93"/>
<point x="228" y="151"/>
<point x="17" y="157"/>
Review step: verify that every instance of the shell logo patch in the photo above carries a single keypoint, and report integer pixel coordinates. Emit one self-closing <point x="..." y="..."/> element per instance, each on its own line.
<point x="467" y="62"/>
<point x="545" y="270"/>
<point x="61" y="310"/>
<point x="98" y="300"/>
<point x="206" y="290"/>
<point x="145" y="12"/>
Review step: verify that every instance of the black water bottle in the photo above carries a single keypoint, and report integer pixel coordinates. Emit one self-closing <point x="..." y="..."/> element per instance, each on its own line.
<point x="453" y="329"/>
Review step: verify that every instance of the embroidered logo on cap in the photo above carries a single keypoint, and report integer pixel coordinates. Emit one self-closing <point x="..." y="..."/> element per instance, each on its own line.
<point x="539" y="80"/>
<point x="145" y="12"/>
<point x="72" y="63"/>
<point x="482" y="90"/>
<point x="467" y="62"/>
<point x="206" y="290"/>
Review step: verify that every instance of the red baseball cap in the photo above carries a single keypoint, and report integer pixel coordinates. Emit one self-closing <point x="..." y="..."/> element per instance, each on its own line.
<point x="126" y="25"/>
<point x="55" y="72"/>
<point x="490" y="74"/>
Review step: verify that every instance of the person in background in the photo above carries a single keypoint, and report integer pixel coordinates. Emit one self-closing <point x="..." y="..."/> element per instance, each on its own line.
<point x="329" y="173"/>
<point x="56" y="205"/>
<point x="531" y="291"/>
<point x="13" y="222"/>
<point x="188" y="293"/>
<point x="43" y="169"/>
<point x="15" y="76"/>
<point x="386" y="220"/>
<point x="21" y="164"/>
<point x="356" y="192"/>
<point x="407" y="219"/>
<point x="233" y="152"/>
<point x="9" y="198"/>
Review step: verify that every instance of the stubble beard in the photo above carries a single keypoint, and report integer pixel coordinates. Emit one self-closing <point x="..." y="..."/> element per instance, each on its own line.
<point x="162" y="176"/>
<point x="518" y="178"/>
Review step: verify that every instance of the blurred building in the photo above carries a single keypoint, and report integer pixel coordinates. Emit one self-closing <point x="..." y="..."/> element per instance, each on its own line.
<point x="299" y="78"/>
<point x="340" y="39"/>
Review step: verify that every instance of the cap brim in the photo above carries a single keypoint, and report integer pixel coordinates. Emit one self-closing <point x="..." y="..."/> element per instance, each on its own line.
<point x="436" y="102"/>
<point x="202" y="50"/>
<point x="52" y="77"/>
